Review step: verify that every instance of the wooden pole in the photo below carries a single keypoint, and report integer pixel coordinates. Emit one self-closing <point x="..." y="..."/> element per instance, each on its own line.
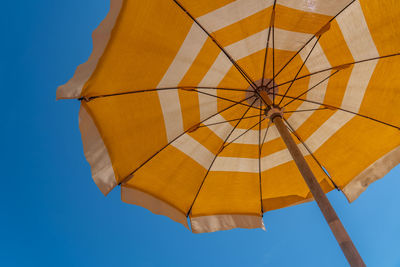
<point x="338" y="230"/>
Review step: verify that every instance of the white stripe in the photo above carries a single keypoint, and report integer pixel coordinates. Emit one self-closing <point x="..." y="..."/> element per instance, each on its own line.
<point x="169" y="99"/>
<point x="325" y="7"/>
<point x="251" y="137"/>
<point x="221" y="130"/>
<point x="316" y="61"/>
<point x="231" y="164"/>
<point x="284" y="40"/>
<point x="374" y="172"/>
<point x="194" y="149"/>
<point x="208" y="104"/>
<point x="212" y="223"/>
<point x="357" y="85"/>
<point x="241" y="9"/>
<point x="157" y="206"/>
<point x="232" y="13"/>
<point x="96" y="153"/>
<point x="354" y="94"/>
<point x="356" y="33"/>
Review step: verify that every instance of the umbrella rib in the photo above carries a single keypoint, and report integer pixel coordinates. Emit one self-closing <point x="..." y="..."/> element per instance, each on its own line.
<point x="308" y="90"/>
<point x="128" y="177"/>
<point x="265" y="135"/>
<point x="342" y="66"/>
<point x="259" y="163"/>
<point x="267" y="44"/>
<point x="345" y="110"/>
<point x="298" y="72"/>
<point x="185" y="88"/>
<point x="291" y="129"/>
<point x="243" y="133"/>
<point x="215" y="157"/>
<point x="223" y="98"/>
<point x="303" y="110"/>
<point x="220" y="122"/>
<point x="273" y="54"/>
<point x="234" y="63"/>
<point x="290" y="60"/>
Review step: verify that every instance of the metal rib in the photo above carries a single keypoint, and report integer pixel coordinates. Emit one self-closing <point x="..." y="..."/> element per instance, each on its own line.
<point x="298" y="72"/>
<point x="303" y="110"/>
<point x="345" y="110"/>
<point x="185" y="88"/>
<point x="223" y="98"/>
<point x="243" y="133"/>
<point x="216" y="155"/>
<point x="291" y="129"/>
<point x="267" y="45"/>
<point x="259" y="162"/>
<point x="221" y="122"/>
<point x="308" y="90"/>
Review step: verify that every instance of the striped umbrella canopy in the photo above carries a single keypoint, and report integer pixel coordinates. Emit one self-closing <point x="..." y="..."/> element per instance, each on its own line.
<point x="178" y="100"/>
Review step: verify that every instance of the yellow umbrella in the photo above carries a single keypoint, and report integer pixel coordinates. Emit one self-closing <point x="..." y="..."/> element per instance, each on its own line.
<point x="208" y="109"/>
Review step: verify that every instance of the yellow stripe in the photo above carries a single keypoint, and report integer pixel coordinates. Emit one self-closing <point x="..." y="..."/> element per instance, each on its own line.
<point x="383" y="23"/>
<point x="136" y="59"/>
<point x="202" y="7"/>
<point x="284" y="185"/>
<point x="171" y="176"/>
<point x="335" y="47"/>
<point x="356" y="146"/>
<point x="382" y="99"/>
<point x="228" y="193"/>
<point x="286" y="18"/>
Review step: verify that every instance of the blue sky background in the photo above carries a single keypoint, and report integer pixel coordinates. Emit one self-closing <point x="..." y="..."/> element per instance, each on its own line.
<point x="52" y="213"/>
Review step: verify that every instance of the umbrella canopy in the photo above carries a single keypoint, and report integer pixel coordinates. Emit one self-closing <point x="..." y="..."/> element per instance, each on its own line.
<point x="171" y="107"/>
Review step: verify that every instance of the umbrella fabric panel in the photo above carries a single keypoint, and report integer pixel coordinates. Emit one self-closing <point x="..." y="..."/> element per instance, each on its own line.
<point x="372" y="173"/>
<point x="186" y="155"/>
<point x="383" y="23"/>
<point x="134" y="196"/>
<point x="282" y="183"/>
<point x="173" y="178"/>
<point x="141" y="48"/>
<point x="130" y="133"/>
<point x="212" y="223"/>
<point x="382" y="98"/>
<point x="96" y="153"/>
<point x="228" y="193"/>
<point x="357" y="145"/>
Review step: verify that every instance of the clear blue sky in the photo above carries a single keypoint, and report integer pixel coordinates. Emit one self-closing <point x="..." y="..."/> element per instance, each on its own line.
<point x="52" y="213"/>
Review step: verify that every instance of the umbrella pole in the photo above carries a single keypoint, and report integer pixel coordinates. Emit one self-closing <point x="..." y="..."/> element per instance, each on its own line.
<point x="337" y="228"/>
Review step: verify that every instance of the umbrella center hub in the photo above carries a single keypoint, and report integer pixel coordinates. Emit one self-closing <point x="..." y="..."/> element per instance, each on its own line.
<point x="273" y="112"/>
<point x="266" y="85"/>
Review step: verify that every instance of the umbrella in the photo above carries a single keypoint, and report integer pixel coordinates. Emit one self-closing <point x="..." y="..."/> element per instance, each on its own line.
<point x="215" y="112"/>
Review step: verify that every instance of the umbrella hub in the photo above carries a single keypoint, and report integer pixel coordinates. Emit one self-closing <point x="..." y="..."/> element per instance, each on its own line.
<point x="266" y="85"/>
<point x="273" y="112"/>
